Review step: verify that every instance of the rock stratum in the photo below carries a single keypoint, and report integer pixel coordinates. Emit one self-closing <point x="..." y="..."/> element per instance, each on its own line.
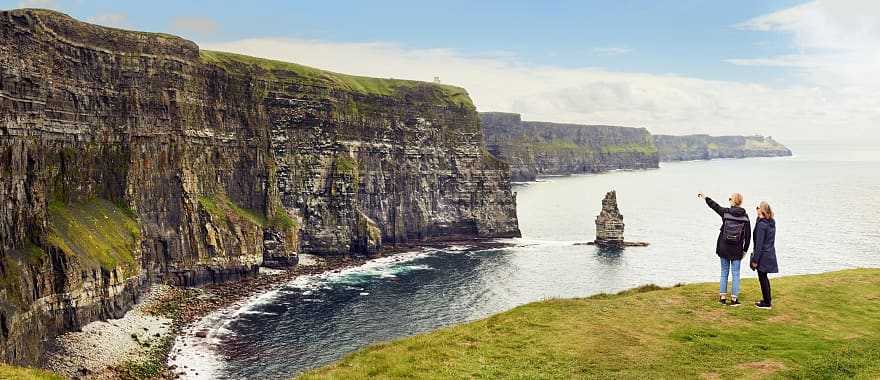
<point x="129" y="158"/>
<point x="535" y="148"/>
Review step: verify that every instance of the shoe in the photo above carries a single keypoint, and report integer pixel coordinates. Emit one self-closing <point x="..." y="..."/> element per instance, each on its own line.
<point x="735" y="303"/>
<point x="722" y="301"/>
<point x="763" y="305"/>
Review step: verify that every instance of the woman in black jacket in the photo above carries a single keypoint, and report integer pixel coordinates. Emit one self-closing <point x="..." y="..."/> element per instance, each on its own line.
<point x="733" y="243"/>
<point x="764" y="254"/>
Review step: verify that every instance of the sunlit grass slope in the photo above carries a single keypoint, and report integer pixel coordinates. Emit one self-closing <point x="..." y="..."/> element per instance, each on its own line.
<point x="20" y="373"/>
<point x="822" y="326"/>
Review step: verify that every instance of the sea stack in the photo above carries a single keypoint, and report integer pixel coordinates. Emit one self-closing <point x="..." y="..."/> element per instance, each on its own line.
<point x="609" y="224"/>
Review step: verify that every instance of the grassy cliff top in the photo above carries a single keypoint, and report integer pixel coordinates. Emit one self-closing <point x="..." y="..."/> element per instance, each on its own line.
<point x="280" y="70"/>
<point x="821" y="326"/>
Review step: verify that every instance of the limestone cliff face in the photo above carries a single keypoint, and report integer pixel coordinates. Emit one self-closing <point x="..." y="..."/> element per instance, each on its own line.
<point x="705" y="147"/>
<point x="132" y="157"/>
<point x="538" y="148"/>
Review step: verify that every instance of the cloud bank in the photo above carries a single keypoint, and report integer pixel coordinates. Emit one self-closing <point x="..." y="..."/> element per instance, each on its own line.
<point x="836" y="98"/>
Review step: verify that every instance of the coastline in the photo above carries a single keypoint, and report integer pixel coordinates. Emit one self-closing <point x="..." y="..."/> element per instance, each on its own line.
<point x="142" y="343"/>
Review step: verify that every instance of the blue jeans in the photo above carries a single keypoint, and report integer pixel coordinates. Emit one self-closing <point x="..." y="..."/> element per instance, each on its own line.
<point x="726" y="266"/>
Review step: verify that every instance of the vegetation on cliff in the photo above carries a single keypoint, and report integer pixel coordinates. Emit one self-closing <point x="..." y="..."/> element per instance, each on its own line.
<point x="822" y="326"/>
<point x="97" y="230"/>
<point x="286" y="71"/>
<point x="22" y="373"/>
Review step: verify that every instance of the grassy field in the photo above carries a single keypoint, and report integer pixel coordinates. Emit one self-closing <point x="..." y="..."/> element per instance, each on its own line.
<point x="821" y="326"/>
<point x="8" y="372"/>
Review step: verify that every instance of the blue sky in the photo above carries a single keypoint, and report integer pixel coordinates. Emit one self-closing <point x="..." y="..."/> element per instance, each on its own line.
<point x="790" y="68"/>
<point x="684" y="37"/>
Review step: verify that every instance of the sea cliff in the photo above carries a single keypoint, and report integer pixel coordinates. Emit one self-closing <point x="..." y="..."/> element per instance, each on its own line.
<point x="130" y="158"/>
<point x="535" y="148"/>
<point x="705" y="147"/>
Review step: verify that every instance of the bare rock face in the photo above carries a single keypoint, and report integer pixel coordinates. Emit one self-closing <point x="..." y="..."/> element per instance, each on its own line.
<point x="609" y="223"/>
<point x="128" y="158"/>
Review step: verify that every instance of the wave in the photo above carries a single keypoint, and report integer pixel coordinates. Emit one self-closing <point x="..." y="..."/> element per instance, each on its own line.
<point x="196" y="350"/>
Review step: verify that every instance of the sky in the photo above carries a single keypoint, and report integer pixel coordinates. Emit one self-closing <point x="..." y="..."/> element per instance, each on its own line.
<point x="793" y="69"/>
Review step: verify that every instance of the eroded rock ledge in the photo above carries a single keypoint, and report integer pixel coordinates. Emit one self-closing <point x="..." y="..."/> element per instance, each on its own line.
<point x="129" y="158"/>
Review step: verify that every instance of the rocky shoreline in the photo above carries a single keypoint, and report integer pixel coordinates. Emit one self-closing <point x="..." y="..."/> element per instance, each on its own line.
<point x="139" y="345"/>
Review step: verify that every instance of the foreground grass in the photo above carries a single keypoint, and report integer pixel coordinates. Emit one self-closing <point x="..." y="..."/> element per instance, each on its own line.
<point x="822" y="326"/>
<point x="21" y="373"/>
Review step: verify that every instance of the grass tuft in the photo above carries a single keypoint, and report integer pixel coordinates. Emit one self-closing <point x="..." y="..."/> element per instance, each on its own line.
<point x="220" y="207"/>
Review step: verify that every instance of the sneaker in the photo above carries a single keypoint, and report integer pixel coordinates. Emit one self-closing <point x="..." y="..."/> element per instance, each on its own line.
<point x="722" y="301"/>
<point x="735" y="303"/>
<point x="763" y="305"/>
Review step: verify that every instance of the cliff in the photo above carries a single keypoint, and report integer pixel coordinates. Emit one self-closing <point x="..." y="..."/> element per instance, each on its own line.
<point x="129" y="158"/>
<point x="538" y="148"/>
<point x="705" y="147"/>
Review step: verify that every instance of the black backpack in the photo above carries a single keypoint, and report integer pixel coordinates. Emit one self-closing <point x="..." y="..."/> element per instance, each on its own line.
<point x="732" y="228"/>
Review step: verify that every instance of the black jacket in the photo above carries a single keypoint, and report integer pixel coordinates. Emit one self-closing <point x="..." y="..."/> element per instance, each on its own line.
<point x="731" y="251"/>
<point x="765" y="246"/>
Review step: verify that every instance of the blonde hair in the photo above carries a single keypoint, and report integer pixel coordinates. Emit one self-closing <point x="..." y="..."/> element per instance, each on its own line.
<point x="736" y="199"/>
<point x="766" y="210"/>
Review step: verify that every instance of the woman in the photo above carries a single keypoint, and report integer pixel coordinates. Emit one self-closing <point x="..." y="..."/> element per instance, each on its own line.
<point x="764" y="254"/>
<point x="733" y="243"/>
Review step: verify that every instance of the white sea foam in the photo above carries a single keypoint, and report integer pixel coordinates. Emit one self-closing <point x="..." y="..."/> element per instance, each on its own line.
<point x="198" y="358"/>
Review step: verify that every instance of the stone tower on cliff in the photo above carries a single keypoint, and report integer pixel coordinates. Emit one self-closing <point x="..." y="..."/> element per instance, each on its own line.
<point x="609" y="223"/>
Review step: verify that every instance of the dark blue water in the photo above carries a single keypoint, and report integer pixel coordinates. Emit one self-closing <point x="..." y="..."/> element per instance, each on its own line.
<point x="827" y="205"/>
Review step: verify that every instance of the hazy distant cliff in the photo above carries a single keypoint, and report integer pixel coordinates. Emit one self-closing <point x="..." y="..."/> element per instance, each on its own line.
<point x="705" y="147"/>
<point x="537" y="148"/>
<point x="131" y="157"/>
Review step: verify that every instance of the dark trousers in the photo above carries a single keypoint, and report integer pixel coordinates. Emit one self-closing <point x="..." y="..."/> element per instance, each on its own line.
<point x="765" y="286"/>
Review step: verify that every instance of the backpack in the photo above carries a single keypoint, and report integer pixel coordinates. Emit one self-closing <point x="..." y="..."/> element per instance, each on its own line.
<point x="732" y="228"/>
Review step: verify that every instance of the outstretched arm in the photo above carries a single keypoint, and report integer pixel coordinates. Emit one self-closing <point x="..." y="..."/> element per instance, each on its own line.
<point x="714" y="206"/>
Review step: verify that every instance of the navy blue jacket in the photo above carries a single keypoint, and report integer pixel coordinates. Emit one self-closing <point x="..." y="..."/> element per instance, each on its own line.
<point x="731" y="251"/>
<point x="765" y="246"/>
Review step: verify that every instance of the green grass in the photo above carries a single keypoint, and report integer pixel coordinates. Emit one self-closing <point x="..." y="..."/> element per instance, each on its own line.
<point x="283" y="221"/>
<point x="96" y="231"/>
<point x="644" y="149"/>
<point x="822" y="326"/>
<point x="21" y="373"/>
<point x="220" y="207"/>
<point x="286" y="71"/>
<point x="346" y="165"/>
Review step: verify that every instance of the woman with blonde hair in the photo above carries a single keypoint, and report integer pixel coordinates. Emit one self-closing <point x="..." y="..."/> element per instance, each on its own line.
<point x="764" y="252"/>
<point x="733" y="243"/>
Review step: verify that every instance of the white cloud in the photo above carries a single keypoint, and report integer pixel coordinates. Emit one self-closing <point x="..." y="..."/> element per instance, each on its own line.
<point x="112" y="19"/>
<point x="837" y="42"/>
<point x="836" y="98"/>
<point x="200" y="25"/>
<point x="610" y="51"/>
